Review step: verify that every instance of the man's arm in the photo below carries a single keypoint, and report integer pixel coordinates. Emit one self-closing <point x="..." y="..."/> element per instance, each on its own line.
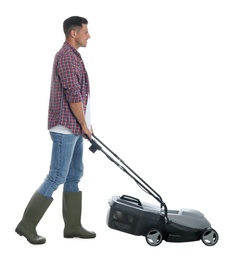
<point x="77" y="110"/>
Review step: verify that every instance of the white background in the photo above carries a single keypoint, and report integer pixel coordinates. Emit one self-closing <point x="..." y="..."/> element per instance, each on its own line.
<point x="161" y="75"/>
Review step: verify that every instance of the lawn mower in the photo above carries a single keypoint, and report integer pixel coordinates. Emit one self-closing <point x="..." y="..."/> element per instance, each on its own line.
<point x="155" y="222"/>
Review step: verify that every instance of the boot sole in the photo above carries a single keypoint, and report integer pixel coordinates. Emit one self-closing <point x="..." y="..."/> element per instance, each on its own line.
<point x="19" y="232"/>
<point x="72" y="236"/>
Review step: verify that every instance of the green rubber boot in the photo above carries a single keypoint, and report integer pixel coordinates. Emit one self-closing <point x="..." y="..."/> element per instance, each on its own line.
<point x="72" y="206"/>
<point x="33" y="213"/>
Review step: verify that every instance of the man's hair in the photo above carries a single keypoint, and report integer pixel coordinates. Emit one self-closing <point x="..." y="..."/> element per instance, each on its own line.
<point x="72" y="22"/>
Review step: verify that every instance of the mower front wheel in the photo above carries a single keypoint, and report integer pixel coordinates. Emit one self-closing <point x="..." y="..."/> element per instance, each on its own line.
<point x="210" y="237"/>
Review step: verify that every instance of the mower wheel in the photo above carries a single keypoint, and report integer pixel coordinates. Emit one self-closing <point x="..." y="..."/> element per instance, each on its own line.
<point x="210" y="237"/>
<point x="153" y="237"/>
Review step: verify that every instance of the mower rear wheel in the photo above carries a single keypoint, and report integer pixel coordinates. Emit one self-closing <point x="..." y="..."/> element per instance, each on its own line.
<point x="153" y="237"/>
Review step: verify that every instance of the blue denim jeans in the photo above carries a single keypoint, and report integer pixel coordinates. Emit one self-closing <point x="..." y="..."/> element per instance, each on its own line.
<point x="66" y="165"/>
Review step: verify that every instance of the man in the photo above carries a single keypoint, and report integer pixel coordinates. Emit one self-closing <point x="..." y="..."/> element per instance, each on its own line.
<point x="67" y="122"/>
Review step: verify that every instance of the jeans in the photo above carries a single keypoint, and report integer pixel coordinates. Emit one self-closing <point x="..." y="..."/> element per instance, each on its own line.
<point x="66" y="165"/>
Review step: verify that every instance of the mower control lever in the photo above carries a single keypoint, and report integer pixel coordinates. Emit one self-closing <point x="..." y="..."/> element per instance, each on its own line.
<point x="94" y="146"/>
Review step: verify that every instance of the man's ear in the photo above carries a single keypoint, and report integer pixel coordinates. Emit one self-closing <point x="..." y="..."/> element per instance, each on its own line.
<point x="73" y="33"/>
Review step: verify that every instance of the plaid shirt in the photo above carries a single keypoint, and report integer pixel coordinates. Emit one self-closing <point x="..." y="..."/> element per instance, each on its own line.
<point x="70" y="84"/>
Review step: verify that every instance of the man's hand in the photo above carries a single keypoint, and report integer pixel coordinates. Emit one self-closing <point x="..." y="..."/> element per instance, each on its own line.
<point x="77" y="110"/>
<point x="87" y="133"/>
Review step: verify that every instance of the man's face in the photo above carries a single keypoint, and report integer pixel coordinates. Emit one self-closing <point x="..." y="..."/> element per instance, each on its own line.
<point x="82" y="36"/>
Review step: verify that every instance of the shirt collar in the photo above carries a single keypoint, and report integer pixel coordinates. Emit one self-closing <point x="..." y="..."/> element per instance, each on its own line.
<point x="71" y="48"/>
